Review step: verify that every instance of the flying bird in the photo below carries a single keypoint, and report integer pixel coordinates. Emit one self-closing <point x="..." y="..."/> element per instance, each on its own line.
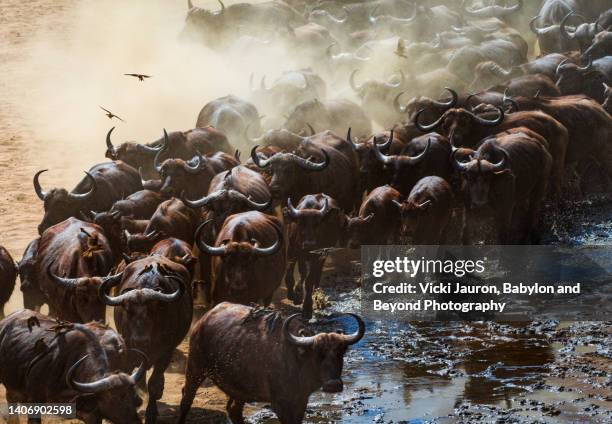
<point x="141" y="77"/>
<point x="110" y="114"/>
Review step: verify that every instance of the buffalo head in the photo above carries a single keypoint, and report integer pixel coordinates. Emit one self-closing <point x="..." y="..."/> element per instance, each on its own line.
<point x="457" y="123"/>
<point x="324" y="351"/>
<point x="287" y="169"/>
<point x="480" y="169"/>
<point x="61" y="204"/>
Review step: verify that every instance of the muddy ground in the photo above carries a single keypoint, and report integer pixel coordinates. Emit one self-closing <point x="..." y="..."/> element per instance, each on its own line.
<point x="421" y="372"/>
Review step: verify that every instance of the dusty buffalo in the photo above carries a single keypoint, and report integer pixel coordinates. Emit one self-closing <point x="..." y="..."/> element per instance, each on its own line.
<point x="587" y="80"/>
<point x="171" y="219"/>
<point x="192" y="176"/>
<point x="47" y="361"/>
<point x="231" y="115"/>
<point x="179" y="144"/>
<point x="378" y="220"/>
<point x="222" y="347"/>
<point x="104" y="185"/>
<point x="316" y="223"/>
<point x="426" y="212"/>
<point x="246" y="258"/>
<point x="466" y="129"/>
<point x="152" y="313"/>
<point x="333" y="115"/>
<point x="508" y="172"/>
<point x="372" y="173"/>
<point x="239" y="189"/>
<point x="296" y="174"/>
<point x="8" y="275"/>
<point x="422" y="156"/>
<point x="72" y="261"/>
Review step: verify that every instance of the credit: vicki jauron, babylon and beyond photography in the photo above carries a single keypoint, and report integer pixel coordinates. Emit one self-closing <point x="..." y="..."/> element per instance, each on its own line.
<point x="191" y="191"/>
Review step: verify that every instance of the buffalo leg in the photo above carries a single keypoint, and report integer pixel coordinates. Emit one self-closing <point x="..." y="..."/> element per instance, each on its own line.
<point x="299" y="289"/>
<point x="234" y="411"/>
<point x="290" y="280"/>
<point x="155" y="388"/>
<point x="289" y="414"/>
<point x="194" y="376"/>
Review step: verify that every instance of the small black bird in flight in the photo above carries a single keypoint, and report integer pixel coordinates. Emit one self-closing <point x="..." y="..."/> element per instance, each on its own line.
<point x="110" y="114"/>
<point x="141" y="77"/>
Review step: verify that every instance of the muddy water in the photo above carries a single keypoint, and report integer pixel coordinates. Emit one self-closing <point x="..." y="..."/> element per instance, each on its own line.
<point x="473" y="372"/>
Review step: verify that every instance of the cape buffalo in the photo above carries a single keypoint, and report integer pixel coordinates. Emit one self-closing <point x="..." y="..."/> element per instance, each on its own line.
<point x="224" y="345"/>
<point x="153" y="313"/>
<point x="316" y="223"/>
<point x="48" y="361"/>
<point x="72" y="261"/>
<point x="246" y="257"/>
<point x="426" y="212"/>
<point x="104" y="185"/>
<point x="378" y="220"/>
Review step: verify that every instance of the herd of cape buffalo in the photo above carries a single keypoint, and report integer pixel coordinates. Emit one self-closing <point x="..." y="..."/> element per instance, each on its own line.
<point x="524" y="110"/>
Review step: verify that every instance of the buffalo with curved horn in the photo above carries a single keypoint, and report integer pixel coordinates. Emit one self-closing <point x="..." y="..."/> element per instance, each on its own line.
<point x="71" y="259"/>
<point x="239" y="332"/>
<point x="296" y="174"/>
<point x="153" y="313"/>
<point x="509" y="172"/>
<point x="246" y="257"/>
<point x="103" y="185"/>
<point x="90" y="361"/>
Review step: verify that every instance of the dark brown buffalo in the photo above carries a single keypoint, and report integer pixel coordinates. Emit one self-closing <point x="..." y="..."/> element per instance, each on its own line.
<point x="72" y="261"/>
<point x="587" y="80"/>
<point x="426" y="212"/>
<point x="372" y="172"/>
<point x="8" y="275"/>
<point x="171" y="219"/>
<point x="181" y="144"/>
<point x="378" y="220"/>
<point x="230" y="115"/>
<point x="508" y="173"/>
<point x="114" y="227"/>
<point x="246" y="258"/>
<point x="488" y="75"/>
<point x="193" y="176"/>
<point x="296" y="174"/>
<point x="466" y="129"/>
<point x="139" y="205"/>
<point x="335" y="115"/>
<point x="104" y="185"/>
<point x="225" y="344"/>
<point x="588" y="125"/>
<point x="601" y="46"/>
<point x="177" y="251"/>
<point x="153" y="313"/>
<point x="33" y="297"/>
<point x="48" y="361"/>
<point x="239" y="189"/>
<point x="430" y="106"/>
<point x="316" y="223"/>
<point x="422" y="156"/>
